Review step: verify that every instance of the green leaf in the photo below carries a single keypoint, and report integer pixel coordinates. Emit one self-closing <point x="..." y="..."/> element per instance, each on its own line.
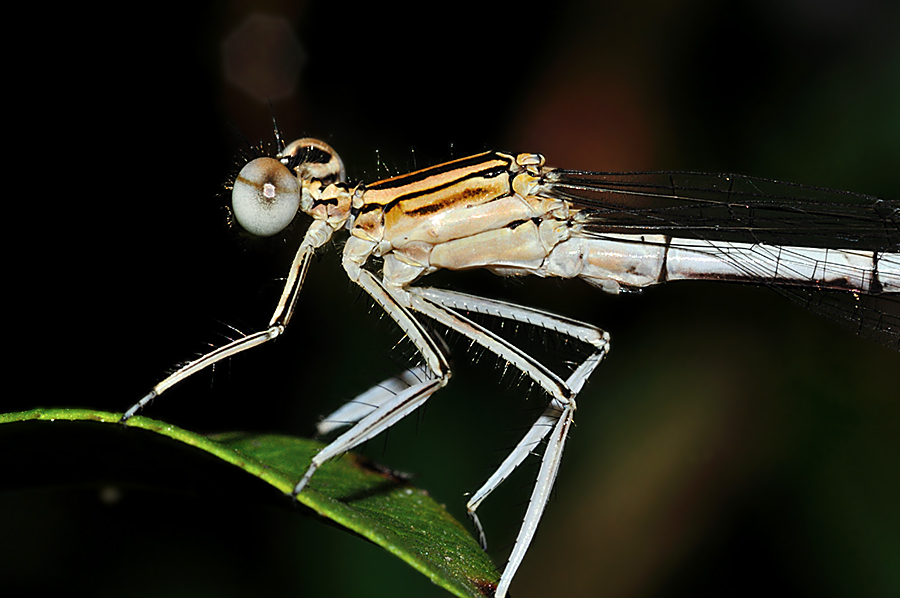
<point x="350" y="491"/>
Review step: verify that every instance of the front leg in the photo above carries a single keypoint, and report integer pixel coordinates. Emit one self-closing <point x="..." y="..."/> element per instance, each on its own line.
<point x="318" y="234"/>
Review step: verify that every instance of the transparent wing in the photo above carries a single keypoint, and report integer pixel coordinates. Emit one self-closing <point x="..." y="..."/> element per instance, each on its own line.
<point x="731" y="208"/>
<point x="740" y="209"/>
<point x="875" y="317"/>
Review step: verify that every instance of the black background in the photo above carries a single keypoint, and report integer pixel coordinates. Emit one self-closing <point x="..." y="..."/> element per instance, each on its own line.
<point x="731" y="444"/>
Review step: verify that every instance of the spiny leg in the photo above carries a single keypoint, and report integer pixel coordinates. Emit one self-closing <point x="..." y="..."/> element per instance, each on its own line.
<point x="395" y="408"/>
<point x="558" y="416"/>
<point x="541" y="319"/>
<point x="533" y="368"/>
<point x="383" y="417"/>
<point x="525" y="447"/>
<point x="518" y="313"/>
<point x="317" y="234"/>
<point x="389" y="408"/>
<point x="363" y="404"/>
<point x="539" y="496"/>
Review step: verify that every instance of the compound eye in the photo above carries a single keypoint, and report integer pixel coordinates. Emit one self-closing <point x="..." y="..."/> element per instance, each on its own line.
<point x="265" y="197"/>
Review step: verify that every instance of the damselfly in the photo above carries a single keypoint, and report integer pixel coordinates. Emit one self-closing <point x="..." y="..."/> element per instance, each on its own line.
<point x="836" y="252"/>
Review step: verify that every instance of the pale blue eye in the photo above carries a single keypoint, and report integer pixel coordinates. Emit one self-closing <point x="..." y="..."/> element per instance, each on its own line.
<point x="265" y="197"/>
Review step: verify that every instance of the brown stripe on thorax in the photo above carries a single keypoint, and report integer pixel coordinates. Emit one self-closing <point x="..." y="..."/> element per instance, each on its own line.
<point x="417" y="189"/>
<point x="429" y="205"/>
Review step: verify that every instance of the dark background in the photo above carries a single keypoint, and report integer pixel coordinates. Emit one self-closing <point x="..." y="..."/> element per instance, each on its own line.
<point x="731" y="444"/>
